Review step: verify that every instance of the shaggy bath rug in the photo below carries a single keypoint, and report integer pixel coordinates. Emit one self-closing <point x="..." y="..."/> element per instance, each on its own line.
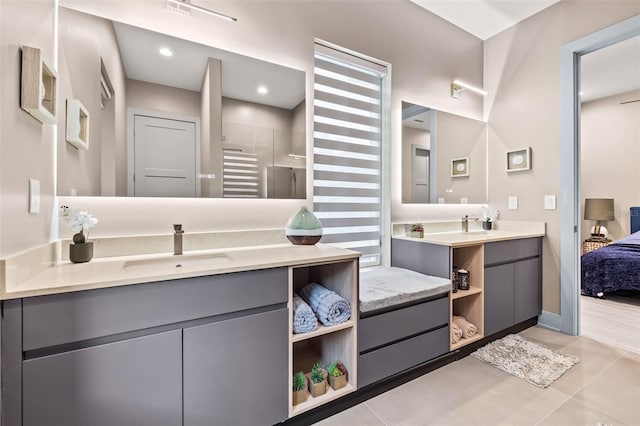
<point x="527" y="360"/>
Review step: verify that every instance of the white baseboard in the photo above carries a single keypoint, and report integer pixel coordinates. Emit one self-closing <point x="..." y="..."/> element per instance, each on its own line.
<point x="550" y="320"/>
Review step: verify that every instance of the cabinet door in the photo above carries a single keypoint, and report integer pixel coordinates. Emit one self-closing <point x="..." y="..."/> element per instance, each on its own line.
<point x="528" y="289"/>
<point x="498" y="298"/>
<point x="236" y="371"/>
<point x="132" y="382"/>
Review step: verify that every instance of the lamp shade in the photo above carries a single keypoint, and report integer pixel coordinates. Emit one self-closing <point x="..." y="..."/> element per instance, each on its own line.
<point x="598" y="209"/>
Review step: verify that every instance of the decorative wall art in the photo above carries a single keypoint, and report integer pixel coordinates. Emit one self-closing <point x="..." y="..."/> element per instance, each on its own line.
<point x="519" y="160"/>
<point x="460" y="167"/>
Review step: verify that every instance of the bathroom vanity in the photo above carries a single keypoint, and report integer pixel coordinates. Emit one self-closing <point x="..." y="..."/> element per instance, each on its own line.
<point x="208" y="346"/>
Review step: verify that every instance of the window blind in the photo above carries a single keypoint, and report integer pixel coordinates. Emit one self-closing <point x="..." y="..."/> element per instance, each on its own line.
<point x="240" y="174"/>
<point x="346" y="152"/>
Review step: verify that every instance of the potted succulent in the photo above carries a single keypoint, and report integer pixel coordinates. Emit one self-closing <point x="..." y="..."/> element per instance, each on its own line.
<point x="81" y="250"/>
<point x="337" y="374"/>
<point x="300" y="393"/>
<point x="317" y="380"/>
<point x="416" y="230"/>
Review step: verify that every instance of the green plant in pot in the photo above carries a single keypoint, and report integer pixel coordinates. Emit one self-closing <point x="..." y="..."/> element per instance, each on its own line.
<point x="317" y="380"/>
<point x="337" y="374"/>
<point x="81" y="250"/>
<point x="300" y="393"/>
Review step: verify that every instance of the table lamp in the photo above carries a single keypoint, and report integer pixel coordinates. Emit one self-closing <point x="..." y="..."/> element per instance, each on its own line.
<point x="600" y="210"/>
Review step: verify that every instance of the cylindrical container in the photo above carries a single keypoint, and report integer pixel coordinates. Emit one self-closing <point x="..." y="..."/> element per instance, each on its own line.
<point x="454" y="282"/>
<point x="486" y="225"/>
<point x="463" y="279"/>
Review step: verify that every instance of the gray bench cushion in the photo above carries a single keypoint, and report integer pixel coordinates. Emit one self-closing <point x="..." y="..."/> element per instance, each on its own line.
<point x="382" y="287"/>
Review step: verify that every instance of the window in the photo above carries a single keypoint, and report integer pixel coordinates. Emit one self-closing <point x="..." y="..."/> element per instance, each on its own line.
<point x="347" y="151"/>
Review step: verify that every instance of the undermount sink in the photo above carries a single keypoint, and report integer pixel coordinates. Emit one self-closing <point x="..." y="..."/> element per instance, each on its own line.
<point x="176" y="263"/>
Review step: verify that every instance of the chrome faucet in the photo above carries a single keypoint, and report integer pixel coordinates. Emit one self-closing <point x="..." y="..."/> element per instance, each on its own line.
<point x="177" y="239"/>
<point x="465" y="222"/>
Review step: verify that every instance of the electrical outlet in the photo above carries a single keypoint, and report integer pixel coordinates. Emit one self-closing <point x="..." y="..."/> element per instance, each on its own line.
<point x="513" y="202"/>
<point x="34" y="196"/>
<point x="464" y="200"/>
<point x="549" y="202"/>
<point x="441" y="200"/>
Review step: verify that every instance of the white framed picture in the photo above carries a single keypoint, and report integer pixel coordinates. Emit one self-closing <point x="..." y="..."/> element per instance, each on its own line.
<point x="460" y="167"/>
<point x="519" y="160"/>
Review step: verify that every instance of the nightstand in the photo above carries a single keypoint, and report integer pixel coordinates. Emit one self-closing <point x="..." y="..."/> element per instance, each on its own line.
<point x="591" y="244"/>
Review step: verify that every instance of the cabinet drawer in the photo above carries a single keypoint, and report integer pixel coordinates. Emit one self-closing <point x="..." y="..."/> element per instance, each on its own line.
<point x="71" y="317"/>
<point x="384" y="362"/>
<point x="384" y="328"/>
<point x="506" y="251"/>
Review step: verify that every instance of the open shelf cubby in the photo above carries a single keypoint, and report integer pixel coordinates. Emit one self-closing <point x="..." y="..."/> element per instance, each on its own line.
<point x="469" y="303"/>
<point x="37" y="86"/>
<point x="326" y="344"/>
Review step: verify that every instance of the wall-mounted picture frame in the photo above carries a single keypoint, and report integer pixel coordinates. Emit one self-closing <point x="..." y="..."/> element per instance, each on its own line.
<point x="460" y="167"/>
<point x="38" y="86"/>
<point x="519" y="160"/>
<point x="77" y="130"/>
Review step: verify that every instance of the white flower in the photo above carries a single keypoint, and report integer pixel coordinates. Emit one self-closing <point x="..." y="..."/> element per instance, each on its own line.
<point x="79" y="221"/>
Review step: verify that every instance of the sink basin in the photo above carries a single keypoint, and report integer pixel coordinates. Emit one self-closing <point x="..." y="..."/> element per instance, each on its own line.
<point x="176" y="263"/>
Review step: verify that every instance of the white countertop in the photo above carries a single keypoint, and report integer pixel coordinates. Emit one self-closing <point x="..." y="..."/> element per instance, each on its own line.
<point x="461" y="239"/>
<point x="111" y="272"/>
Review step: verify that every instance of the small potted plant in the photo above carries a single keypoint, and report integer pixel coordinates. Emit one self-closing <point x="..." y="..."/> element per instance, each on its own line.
<point x="317" y="380"/>
<point x="417" y="230"/>
<point x="300" y="393"/>
<point x="487" y="219"/>
<point x="81" y="250"/>
<point x="337" y="373"/>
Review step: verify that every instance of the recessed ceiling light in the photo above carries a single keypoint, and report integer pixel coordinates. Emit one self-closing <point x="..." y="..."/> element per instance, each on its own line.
<point x="263" y="90"/>
<point x="165" y="51"/>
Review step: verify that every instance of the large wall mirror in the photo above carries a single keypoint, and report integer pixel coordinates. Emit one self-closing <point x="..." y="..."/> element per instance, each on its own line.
<point x="444" y="157"/>
<point x="146" y="114"/>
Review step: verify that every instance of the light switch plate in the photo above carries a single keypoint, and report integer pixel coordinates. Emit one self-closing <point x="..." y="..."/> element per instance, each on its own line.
<point x="34" y="196"/>
<point x="464" y="200"/>
<point x="441" y="200"/>
<point x="513" y="202"/>
<point x="549" y="202"/>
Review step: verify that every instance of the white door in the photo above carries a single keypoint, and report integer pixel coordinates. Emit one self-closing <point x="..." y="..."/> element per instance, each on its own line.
<point x="420" y="174"/>
<point x="164" y="157"/>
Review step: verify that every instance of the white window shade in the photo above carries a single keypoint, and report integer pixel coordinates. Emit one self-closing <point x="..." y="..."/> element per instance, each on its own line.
<point x="346" y="155"/>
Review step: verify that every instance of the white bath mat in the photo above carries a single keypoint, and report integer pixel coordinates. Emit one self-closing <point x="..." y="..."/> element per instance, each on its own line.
<point x="527" y="360"/>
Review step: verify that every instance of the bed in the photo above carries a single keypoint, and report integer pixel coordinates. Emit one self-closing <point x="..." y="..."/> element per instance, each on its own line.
<point x="616" y="266"/>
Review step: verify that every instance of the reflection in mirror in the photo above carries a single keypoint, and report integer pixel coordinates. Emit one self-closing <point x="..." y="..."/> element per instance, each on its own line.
<point x="444" y="157"/>
<point x="173" y="118"/>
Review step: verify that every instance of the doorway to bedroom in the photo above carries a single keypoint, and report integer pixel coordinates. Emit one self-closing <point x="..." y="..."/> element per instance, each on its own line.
<point x="609" y="139"/>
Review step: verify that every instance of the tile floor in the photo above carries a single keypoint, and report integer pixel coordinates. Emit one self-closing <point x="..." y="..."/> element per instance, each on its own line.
<point x="603" y="389"/>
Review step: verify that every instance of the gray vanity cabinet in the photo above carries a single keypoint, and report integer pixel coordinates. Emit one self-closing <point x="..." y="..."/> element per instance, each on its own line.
<point x="512" y="283"/>
<point x="235" y="371"/>
<point x="131" y="382"/>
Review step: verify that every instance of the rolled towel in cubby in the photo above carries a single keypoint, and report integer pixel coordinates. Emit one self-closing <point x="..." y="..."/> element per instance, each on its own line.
<point x="304" y="320"/>
<point x="329" y="306"/>
<point x="456" y="333"/>
<point x="468" y="329"/>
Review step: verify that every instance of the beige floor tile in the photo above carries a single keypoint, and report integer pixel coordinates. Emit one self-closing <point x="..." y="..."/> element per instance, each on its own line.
<point x="572" y="413"/>
<point x="549" y="338"/>
<point x="432" y="396"/>
<point x="616" y="391"/>
<point x="594" y="356"/>
<point x="359" y="415"/>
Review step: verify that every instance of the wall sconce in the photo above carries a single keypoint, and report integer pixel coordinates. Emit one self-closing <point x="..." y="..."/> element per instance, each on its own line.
<point x="458" y="86"/>
<point x="185" y="7"/>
